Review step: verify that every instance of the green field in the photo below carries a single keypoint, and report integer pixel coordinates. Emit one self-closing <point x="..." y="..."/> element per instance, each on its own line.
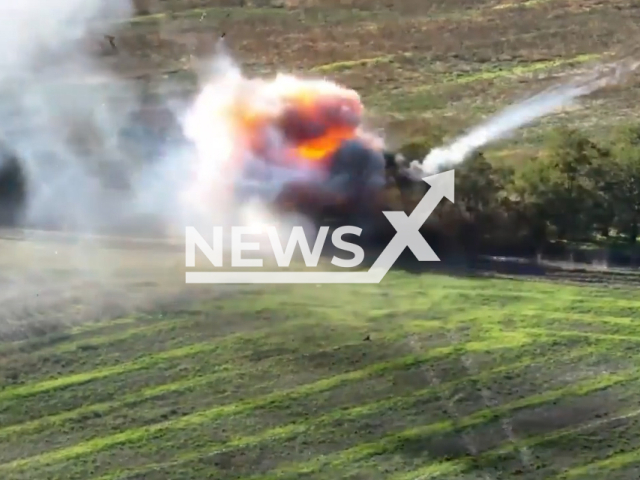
<point x="422" y="376"/>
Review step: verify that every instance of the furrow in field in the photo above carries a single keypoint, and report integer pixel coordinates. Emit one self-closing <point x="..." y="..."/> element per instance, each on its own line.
<point x="235" y="347"/>
<point x="239" y="377"/>
<point x="322" y="427"/>
<point x="310" y="357"/>
<point x="575" y="334"/>
<point x="602" y="468"/>
<point x="57" y="340"/>
<point x="298" y="392"/>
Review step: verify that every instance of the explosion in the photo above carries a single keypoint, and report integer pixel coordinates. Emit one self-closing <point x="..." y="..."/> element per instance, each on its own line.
<point x="266" y="138"/>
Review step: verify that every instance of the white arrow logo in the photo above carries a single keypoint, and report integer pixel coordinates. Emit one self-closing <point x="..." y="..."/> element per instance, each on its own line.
<point x="407" y="236"/>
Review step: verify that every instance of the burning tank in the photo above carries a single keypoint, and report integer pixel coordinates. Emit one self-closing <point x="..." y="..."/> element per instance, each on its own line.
<point x="298" y="145"/>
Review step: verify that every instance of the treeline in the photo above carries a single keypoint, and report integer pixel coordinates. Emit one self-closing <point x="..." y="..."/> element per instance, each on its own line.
<point x="576" y="190"/>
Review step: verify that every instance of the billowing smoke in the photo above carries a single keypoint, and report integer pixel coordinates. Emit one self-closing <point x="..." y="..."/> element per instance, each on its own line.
<point x="60" y="125"/>
<point x="67" y="118"/>
<point x="63" y="114"/>
<point x="508" y="121"/>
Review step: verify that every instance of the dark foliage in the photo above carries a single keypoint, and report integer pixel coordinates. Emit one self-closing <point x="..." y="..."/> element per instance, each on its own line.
<point x="575" y="191"/>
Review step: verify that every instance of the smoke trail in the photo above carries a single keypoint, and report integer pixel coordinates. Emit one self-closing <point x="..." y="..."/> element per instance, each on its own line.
<point x="506" y="122"/>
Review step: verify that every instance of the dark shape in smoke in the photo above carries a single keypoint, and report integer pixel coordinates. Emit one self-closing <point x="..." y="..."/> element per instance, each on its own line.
<point x="12" y="188"/>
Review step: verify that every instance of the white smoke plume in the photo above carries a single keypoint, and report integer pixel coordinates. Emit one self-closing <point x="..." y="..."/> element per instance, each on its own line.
<point x="68" y="132"/>
<point x="62" y="128"/>
<point x="506" y="122"/>
<point x="62" y="115"/>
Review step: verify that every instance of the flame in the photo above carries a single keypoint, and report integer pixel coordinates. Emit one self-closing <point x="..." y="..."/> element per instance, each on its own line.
<point x="326" y="145"/>
<point x="318" y="120"/>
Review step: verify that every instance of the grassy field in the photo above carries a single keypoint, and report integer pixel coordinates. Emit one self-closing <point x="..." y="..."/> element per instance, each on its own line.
<point x="415" y="62"/>
<point x="422" y="376"/>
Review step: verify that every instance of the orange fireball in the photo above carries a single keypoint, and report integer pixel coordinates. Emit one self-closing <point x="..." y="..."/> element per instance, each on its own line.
<point x="313" y="122"/>
<point x="317" y="126"/>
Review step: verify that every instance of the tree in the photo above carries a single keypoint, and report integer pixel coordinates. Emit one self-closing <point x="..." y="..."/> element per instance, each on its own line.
<point x="624" y="172"/>
<point x="479" y="185"/>
<point x="481" y="202"/>
<point x="560" y="185"/>
<point x="602" y="208"/>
